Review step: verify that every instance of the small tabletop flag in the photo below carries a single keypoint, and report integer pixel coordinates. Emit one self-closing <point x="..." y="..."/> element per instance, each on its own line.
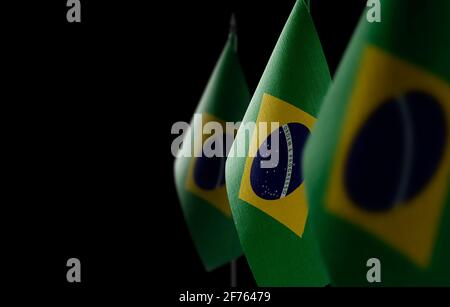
<point x="268" y="203"/>
<point x="378" y="164"/>
<point x="200" y="179"/>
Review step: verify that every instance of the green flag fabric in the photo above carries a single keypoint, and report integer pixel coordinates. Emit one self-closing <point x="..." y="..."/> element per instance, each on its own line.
<point x="200" y="181"/>
<point x="378" y="165"/>
<point x="268" y="204"/>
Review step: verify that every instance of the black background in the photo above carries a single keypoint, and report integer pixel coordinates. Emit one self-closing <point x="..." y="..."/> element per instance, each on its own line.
<point x="92" y="107"/>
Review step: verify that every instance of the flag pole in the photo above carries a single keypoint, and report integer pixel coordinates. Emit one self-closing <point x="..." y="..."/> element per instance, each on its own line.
<point x="233" y="30"/>
<point x="233" y="275"/>
<point x="233" y="263"/>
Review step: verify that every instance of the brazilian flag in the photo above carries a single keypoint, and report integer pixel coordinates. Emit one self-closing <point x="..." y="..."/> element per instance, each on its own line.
<point x="200" y="179"/>
<point x="268" y="203"/>
<point x="378" y="164"/>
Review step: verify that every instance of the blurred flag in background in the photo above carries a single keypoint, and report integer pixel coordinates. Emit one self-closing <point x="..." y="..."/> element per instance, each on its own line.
<point x="377" y="166"/>
<point x="200" y="181"/>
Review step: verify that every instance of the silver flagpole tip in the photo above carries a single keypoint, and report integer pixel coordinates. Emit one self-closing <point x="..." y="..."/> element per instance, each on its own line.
<point x="233" y="32"/>
<point x="233" y="25"/>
